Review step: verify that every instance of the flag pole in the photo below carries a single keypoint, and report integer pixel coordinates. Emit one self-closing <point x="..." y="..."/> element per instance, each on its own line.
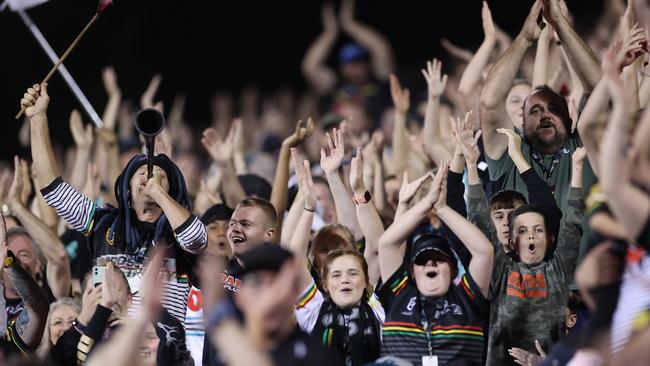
<point x="62" y="69"/>
<point x="32" y="27"/>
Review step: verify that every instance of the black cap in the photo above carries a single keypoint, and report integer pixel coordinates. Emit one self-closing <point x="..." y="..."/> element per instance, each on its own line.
<point x="267" y="257"/>
<point x="218" y="212"/>
<point x="432" y="242"/>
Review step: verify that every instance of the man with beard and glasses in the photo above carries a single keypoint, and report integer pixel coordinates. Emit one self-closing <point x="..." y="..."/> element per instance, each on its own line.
<point x="548" y="141"/>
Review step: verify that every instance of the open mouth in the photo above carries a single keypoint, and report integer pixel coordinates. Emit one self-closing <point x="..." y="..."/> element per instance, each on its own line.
<point x="432" y="274"/>
<point x="237" y="240"/>
<point x="531" y="248"/>
<point x="545" y="125"/>
<point x="221" y="244"/>
<point x="346" y="290"/>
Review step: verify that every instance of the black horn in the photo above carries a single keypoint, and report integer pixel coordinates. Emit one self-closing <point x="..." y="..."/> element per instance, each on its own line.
<point x="149" y="122"/>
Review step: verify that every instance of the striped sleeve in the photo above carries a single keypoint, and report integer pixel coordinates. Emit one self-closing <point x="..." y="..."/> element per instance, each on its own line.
<point x="308" y="306"/>
<point x="192" y="235"/>
<point x="72" y="206"/>
<point x="393" y="286"/>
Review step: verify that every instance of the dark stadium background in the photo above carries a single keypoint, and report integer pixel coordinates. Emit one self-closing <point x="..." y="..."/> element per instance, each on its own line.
<point x="204" y="46"/>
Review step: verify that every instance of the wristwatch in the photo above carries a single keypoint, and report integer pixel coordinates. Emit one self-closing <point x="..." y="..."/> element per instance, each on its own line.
<point x="360" y="200"/>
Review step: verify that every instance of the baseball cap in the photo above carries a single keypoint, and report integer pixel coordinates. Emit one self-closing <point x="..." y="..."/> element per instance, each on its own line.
<point x="267" y="257"/>
<point x="218" y="212"/>
<point x="435" y="243"/>
<point x="352" y="52"/>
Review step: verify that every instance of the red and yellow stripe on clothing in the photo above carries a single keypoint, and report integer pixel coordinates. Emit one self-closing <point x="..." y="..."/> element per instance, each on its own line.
<point x="398" y="285"/>
<point x="439" y="331"/>
<point x="457" y="331"/>
<point x="403" y="328"/>
<point x="308" y="295"/>
<point x="465" y="285"/>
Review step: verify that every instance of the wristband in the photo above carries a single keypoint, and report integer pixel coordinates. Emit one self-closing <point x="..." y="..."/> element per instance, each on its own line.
<point x="312" y="210"/>
<point x="359" y="200"/>
<point x="78" y="326"/>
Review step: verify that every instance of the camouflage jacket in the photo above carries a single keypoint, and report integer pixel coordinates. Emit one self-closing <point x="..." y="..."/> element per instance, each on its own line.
<point x="528" y="301"/>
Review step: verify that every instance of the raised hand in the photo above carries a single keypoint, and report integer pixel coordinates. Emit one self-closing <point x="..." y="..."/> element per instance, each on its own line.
<point x="408" y="190"/>
<point x="488" y="24"/>
<point x="531" y="30"/>
<point x="303" y="131"/>
<point x="433" y="196"/>
<point x="466" y="138"/>
<point x="375" y="148"/>
<point x="305" y="181"/>
<point x="36" y="100"/>
<point x="332" y="162"/>
<point x="146" y="100"/>
<point x="346" y="14"/>
<point x="578" y="156"/>
<point x="436" y="81"/>
<point x="93" y="184"/>
<point x="328" y="17"/>
<point x="109" y="78"/>
<point x="553" y="12"/>
<point x="83" y="137"/>
<point x="220" y="150"/>
<point x="401" y="97"/>
<point x="111" y="289"/>
<point x="514" y="141"/>
<point x="443" y="170"/>
<point x="635" y="45"/>
<point x="89" y="301"/>
<point x="15" y="196"/>
<point x="356" y="174"/>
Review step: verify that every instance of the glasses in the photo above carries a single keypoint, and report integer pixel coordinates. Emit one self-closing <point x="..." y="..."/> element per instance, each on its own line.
<point x="62" y="323"/>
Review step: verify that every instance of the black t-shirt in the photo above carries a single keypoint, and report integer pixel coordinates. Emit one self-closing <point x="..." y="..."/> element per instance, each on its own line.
<point x="456" y="321"/>
<point x="231" y="282"/>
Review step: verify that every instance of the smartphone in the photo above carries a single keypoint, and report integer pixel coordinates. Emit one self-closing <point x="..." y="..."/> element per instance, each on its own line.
<point x="98" y="275"/>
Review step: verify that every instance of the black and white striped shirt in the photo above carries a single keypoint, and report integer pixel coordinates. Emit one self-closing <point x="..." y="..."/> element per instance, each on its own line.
<point x="80" y="212"/>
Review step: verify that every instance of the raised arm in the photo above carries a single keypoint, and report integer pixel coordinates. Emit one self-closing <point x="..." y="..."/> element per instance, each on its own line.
<point x="436" y="84"/>
<point x="301" y="232"/>
<point x="321" y="78"/>
<point x="540" y="68"/>
<point x="331" y="164"/>
<point x="481" y="263"/>
<point x="581" y="56"/>
<point x="222" y="153"/>
<point x="281" y="179"/>
<point x="629" y="204"/>
<point x="369" y="220"/>
<point x="58" y="265"/>
<point x="498" y="83"/>
<point x="471" y="78"/>
<point x="36" y="100"/>
<point x="83" y="140"/>
<point x="381" y="54"/>
<point x="109" y="77"/>
<point x="390" y="252"/>
<point x="401" y="142"/>
<point x="31" y="321"/>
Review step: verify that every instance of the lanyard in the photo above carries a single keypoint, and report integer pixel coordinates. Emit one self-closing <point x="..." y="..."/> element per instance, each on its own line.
<point x="548" y="173"/>
<point x="425" y="325"/>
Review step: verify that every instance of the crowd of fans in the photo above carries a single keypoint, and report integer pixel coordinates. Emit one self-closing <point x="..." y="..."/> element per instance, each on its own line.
<point x="501" y="219"/>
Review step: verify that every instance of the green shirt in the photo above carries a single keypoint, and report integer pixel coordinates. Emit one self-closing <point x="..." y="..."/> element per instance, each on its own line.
<point x="554" y="169"/>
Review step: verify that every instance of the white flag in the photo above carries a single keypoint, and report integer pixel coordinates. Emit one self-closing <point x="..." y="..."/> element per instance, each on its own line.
<point x="16" y="5"/>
